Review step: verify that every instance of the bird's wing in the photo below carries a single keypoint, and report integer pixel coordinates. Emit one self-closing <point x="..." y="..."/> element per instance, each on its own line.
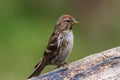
<point x="52" y="47"/>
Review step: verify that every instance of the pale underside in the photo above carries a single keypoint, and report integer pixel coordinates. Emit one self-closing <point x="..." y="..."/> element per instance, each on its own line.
<point x="66" y="39"/>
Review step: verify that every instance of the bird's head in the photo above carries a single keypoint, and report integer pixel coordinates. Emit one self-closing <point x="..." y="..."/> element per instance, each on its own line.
<point x="65" y="22"/>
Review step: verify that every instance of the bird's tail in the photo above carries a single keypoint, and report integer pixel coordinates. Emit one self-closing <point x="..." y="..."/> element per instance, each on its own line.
<point x="38" y="68"/>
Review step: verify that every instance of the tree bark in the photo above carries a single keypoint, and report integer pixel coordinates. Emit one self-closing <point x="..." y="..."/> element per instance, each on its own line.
<point x="101" y="66"/>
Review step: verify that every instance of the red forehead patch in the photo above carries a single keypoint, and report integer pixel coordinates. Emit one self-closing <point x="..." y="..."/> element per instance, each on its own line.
<point x="70" y="17"/>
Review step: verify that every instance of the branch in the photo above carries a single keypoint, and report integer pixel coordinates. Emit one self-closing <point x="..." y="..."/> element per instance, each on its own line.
<point x="100" y="66"/>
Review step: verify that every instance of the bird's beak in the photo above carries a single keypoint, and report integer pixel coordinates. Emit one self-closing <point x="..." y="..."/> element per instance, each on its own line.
<point x="74" y="22"/>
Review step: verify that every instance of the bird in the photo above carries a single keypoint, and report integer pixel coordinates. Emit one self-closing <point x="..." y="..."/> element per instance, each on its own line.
<point x="59" y="46"/>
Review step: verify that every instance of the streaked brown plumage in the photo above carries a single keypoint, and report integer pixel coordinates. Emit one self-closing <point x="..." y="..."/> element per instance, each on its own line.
<point x="59" y="46"/>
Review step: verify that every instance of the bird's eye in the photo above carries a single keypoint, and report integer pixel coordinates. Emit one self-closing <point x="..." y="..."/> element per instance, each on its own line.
<point x="67" y="20"/>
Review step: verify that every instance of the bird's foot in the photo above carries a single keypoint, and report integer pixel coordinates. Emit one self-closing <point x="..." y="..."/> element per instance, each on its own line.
<point x="65" y="63"/>
<point x="61" y="65"/>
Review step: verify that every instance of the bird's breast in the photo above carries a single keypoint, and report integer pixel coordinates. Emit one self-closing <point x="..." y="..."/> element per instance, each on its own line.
<point x="67" y="45"/>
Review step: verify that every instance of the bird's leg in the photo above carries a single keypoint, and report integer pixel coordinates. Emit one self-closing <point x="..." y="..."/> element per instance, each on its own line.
<point x="65" y="63"/>
<point x="59" y="65"/>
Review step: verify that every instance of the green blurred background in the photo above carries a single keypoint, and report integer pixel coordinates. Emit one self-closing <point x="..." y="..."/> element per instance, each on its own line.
<point x="26" y="25"/>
